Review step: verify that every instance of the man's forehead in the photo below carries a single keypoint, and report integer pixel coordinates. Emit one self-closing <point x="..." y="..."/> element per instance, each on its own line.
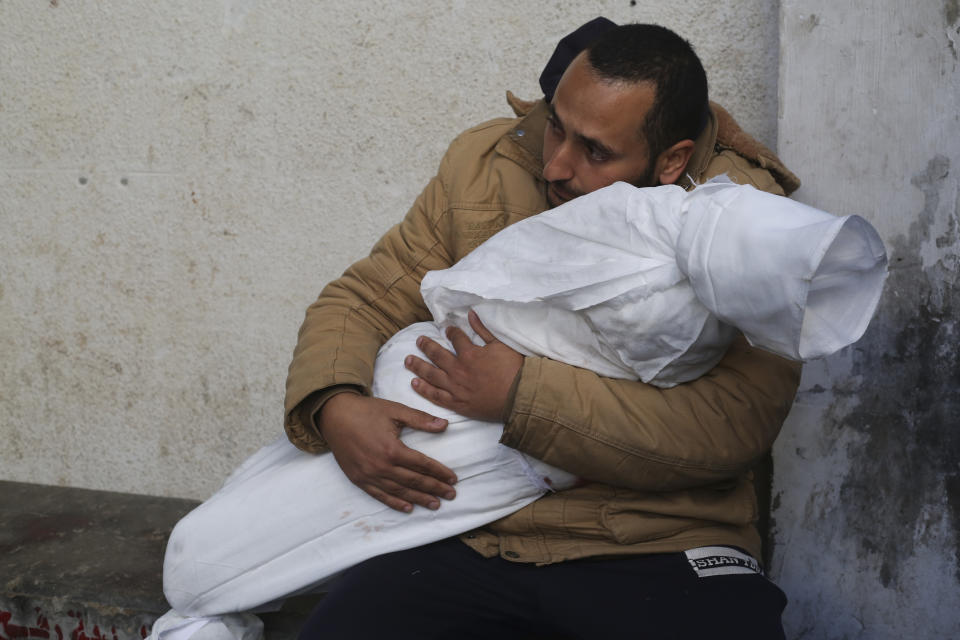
<point x="608" y="111"/>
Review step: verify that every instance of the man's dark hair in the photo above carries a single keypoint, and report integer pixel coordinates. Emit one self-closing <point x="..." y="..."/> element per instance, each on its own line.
<point x="651" y="53"/>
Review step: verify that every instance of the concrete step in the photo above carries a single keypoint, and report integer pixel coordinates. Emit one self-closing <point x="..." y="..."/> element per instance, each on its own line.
<point x="78" y="564"/>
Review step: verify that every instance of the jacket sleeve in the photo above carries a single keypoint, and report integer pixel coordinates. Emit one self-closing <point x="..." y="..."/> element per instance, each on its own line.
<point x="355" y="314"/>
<point x="630" y="434"/>
<point x="633" y="435"/>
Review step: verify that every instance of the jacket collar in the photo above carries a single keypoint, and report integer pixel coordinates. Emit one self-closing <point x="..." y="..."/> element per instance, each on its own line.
<point x="524" y="142"/>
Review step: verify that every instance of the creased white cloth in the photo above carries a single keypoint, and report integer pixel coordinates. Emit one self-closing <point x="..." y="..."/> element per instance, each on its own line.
<point x="631" y="283"/>
<point x="232" y="626"/>
<point x="285" y="520"/>
<point x="649" y="283"/>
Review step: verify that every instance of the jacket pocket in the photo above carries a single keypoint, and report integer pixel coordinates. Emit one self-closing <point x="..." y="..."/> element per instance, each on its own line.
<point x="632" y="517"/>
<point x="629" y="526"/>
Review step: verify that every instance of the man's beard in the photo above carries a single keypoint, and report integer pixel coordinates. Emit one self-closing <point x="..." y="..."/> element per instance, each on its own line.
<point x="648" y="179"/>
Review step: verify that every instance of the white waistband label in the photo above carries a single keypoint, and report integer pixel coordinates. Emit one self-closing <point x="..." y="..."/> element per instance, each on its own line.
<point x="721" y="561"/>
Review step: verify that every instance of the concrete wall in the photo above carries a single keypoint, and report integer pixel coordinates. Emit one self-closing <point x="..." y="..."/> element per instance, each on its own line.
<point x="867" y="492"/>
<point x="178" y="179"/>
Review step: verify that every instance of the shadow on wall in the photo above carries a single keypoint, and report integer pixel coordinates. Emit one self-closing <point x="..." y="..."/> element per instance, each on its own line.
<point x="905" y="379"/>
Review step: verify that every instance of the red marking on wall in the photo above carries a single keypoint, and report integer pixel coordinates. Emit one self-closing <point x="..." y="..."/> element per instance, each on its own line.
<point x="11" y="631"/>
<point x="41" y="629"/>
<point x="80" y="633"/>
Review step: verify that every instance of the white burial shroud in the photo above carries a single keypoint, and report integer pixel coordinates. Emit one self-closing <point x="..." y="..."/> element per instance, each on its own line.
<point x="631" y="283"/>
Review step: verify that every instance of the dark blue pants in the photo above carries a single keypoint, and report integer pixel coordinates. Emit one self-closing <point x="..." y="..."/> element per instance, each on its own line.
<point x="446" y="590"/>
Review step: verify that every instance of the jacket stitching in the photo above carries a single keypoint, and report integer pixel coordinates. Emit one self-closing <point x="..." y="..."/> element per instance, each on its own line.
<point x="640" y="453"/>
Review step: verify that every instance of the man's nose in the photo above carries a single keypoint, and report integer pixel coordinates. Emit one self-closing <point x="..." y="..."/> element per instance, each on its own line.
<point x="559" y="166"/>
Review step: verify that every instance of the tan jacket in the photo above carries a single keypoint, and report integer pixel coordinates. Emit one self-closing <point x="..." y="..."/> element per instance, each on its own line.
<point x="669" y="468"/>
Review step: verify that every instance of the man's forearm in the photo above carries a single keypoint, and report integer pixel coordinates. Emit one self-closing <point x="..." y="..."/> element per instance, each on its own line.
<point x="633" y="435"/>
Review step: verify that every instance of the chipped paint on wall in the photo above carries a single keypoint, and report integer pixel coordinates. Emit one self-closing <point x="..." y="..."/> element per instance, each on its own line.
<point x="951" y="12"/>
<point x="908" y="373"/>
<point x="15" y="624"/>
<point x="867" y="494"/>
<point x="866" y="508"/>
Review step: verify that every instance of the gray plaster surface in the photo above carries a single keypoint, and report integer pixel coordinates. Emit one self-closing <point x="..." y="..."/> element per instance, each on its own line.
<point x="866" y="517"/>
<point x="179" y="179"/>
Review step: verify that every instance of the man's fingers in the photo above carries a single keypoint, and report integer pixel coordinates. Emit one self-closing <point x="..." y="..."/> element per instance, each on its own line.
<point x="425" y="370"/>
<point x="415" y="419"/>
<point x="363" y="434"/>
<point x="461" y="342"/>
<point x="421" y="489"/>
<point x="437" y="354"/>
<point x="406" y="494"/>
<point x="481" y="330"/>
<point x="439" y="397"/>
<point x="406" y="487"/>
<point x="432" y="383"/>
<point x="410" y="479"/>
<point x="391" y="501"/>
<point x="427" y="467"/>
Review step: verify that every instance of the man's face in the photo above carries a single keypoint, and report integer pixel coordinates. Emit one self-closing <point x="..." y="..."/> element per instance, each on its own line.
<point x="593" y="136"/>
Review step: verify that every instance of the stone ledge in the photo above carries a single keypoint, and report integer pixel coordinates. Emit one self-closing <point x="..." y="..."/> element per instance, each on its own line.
<point x="80" y="563"/>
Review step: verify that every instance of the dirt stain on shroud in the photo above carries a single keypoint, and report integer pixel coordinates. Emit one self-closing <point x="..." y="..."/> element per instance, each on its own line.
<point x="907" y="374"/>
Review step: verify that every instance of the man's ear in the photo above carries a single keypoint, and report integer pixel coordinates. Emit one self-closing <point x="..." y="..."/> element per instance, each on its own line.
<point x="672" y="162"/>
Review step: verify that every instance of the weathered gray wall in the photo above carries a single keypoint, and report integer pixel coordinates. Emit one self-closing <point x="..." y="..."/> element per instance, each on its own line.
<point x="178" y="179"/>
<point x="867" y="493"/>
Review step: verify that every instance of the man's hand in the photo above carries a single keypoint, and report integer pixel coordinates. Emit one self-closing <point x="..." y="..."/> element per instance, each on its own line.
<point x="364" y="436"/>
<point x="475" y="381"/>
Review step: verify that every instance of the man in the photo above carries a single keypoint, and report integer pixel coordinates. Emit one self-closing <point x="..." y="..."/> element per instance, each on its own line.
<point x="634" y="551"/>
